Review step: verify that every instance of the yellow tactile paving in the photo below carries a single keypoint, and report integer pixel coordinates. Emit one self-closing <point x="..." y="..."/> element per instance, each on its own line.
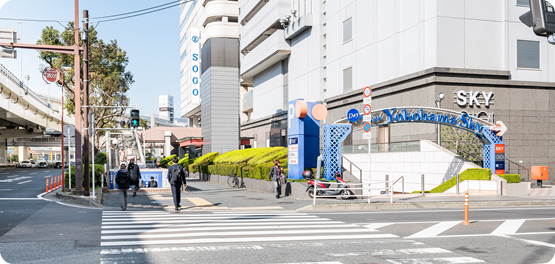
<point x="199" y="201"/>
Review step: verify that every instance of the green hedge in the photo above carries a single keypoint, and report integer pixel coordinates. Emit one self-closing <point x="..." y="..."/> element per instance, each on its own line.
<point x="469" y="174"/>
<point x="511" y="178"/>
<point x="268" y="156"/>
<point x="167" y="161"/>
<point x="184" y="162"/>
<point x="98" y="170"/>
<point x="242" y="155"/>
<point x="206" y="157"/>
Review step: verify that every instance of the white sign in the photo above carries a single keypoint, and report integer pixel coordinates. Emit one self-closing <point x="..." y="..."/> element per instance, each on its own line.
<point x="367" y="100"/>
<point x="472" y="98"/>
<point x="366" y="135"/>
<point x="195" y="64"/>
<point x="293" y="161"/>
<point x="367" y="118"/>
<point x="294" y="148"/>
<point x="293" y="154"/>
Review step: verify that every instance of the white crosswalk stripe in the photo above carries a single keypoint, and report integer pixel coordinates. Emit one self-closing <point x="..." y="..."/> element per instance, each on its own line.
<point x="166" y="228"/>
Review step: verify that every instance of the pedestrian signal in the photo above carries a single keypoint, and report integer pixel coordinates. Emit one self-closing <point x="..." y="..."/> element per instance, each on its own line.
<point x="135" y="118"/>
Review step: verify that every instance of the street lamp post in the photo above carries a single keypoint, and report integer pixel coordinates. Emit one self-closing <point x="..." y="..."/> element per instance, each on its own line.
<point x="21" y="52"/>
<point x="439" y="97"/>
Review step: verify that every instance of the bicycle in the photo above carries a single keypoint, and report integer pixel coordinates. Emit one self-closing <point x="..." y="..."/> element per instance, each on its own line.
<point x="233" y="181"/>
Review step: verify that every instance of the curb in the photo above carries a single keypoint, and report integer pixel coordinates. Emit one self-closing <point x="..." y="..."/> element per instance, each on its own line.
<point x="78" y="199"/>
<point x="423" y="205"/>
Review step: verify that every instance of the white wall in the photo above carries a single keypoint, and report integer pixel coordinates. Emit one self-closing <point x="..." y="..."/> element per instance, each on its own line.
<point x="268" y="92"/>
<point x="436" y="163"/>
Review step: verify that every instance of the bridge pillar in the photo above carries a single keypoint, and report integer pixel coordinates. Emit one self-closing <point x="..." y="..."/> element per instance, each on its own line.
<point x="23" y="153"/>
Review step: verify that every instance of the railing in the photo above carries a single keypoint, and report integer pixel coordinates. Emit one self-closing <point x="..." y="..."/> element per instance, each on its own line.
<point x="320" y="192"/>
<point x="351" y="167"/>
<point x="19" y="83"/>
<point x="407" y="146"/>
<point x="402" y="184"/>
<point x="519" y="168"/>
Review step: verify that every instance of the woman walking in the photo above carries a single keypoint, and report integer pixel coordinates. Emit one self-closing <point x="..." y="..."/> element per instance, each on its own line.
<point x="275" y="175"/>
<point x="135" y="176"/>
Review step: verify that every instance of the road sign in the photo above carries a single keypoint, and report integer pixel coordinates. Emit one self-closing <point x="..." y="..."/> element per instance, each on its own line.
<point x="367" y="91"/>
<point x="367" y="109"/>
<point x="367" y="126"/>
<point x="367" y="100"/>
<point x="367" y="136"/>
<point x="10" y="151"/>
<point x="367" y="118"/>
<point x="51" y="75"/>
<point x="353" y="115"/>
<point x="500" y="128"/>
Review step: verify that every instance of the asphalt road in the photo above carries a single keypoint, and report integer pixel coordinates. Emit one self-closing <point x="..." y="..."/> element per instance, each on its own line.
<point x="39" y="230"/>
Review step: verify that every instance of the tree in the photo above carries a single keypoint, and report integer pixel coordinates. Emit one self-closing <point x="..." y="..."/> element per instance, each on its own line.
<point x="143" y="124"/>
<point x="109" y="79"/>
<point x="463" y="143"/>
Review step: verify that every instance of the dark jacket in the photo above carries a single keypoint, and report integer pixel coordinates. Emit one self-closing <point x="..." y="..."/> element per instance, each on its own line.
<point x="172" y="177"/>
<point x="118" y="175"/>
<point x="275" y="173"/>
<point x="152" y="184"/>
<point x="135" y="174"/>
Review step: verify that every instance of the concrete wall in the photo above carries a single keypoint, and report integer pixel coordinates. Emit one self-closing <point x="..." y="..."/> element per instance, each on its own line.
<point x="436" y="163"/>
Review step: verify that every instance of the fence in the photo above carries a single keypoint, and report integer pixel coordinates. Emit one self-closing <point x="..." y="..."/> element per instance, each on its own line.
<point x="320" y="190"/>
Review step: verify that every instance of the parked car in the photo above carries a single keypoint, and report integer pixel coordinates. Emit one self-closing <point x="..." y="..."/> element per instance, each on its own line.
<point x="66" y="165"/>
<point x="33" y="164"/>
<point x="42" y="164"/>
<point x="58" y="165"/>
<point x="24" y="164"/>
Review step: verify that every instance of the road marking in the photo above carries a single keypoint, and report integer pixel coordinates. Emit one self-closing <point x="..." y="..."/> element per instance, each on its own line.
<point x="243" y="239"/>
<point x="203" y="227"/>
<point x="199" y="201"/>
<point x="5" y="173"/>
<point x="11" y="176"/>
<point x="49" y="176"/>
<point x="543" y="208"/>
<point x="33" y="173"/>
<point x="47" y="171"/>
<point x="391" y="252"/>
<point x="454" y="260"/>
<point x="5" y="189"/>
<point x="375" y="226"/>
<point x="25" y="182"/>
<point x="177" y="217"/>
<point x="166" y="249"/>
<point x="204" y="223"/>
<point x="533" y="242"/>
<point x="17" y="199"/>
<point x="203" y="220"/>
<point x="508" y="227"/>
<point x="435" y="230"/>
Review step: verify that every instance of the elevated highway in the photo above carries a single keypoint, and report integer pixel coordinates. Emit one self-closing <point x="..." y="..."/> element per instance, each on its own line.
<point x="23" y="113"/>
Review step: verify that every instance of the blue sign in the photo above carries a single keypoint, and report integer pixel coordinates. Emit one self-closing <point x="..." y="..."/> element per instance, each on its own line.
<point x="195" y="80"/>
<point x="464" y="120"/>
<point x="294" y="141"/>
<point x="353" y="115"/>
<point x="195" y="92"/>
<point x="194" y="39"/>
<point x="10" y="151"/>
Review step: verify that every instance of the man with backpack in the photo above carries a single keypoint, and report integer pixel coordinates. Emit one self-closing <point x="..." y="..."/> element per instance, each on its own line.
<point x="176" y="177"/>
<point x="122" y="179"/>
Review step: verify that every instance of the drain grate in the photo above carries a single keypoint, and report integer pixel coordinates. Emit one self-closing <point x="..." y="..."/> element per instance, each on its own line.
<point x="258" y="199"/>
<point x="285" y="202"/>
<point x="238" y="196"/>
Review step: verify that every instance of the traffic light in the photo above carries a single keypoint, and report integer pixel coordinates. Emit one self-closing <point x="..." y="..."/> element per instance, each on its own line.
<point x="135" y="118"/>
<point x="541" y="17"/>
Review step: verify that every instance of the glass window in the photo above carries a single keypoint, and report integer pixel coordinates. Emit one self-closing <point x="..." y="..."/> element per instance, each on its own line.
<point x="528" y="54"/>
<point x="348" y="79"/>
<point x="523" y="2"/>
<point x="347" y="30"/>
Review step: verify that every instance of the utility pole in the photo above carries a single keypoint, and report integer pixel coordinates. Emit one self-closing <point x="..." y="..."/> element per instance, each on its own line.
<point x="77" y="69"/>
<point x="86" y="157"/>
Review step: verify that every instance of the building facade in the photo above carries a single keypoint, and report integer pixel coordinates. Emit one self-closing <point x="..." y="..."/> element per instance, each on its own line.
<point x="210" y="71"/>
<point x="165" y="107"/>
<point x="477" y="53"/>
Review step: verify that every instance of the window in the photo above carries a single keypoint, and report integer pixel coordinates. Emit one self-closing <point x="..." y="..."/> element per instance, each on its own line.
<point x="523" y="2"/>
<point x="528" y="54"/>
<point x="347" y="30"/>
<point x="348" y="79"/>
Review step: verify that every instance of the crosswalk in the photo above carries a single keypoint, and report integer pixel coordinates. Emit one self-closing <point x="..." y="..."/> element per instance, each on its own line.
<point x="139" y="228"/>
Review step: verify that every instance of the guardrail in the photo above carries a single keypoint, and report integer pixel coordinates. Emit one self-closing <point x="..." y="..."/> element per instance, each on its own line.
<point x="319" y="192"/>
<point x="20" y="83"/>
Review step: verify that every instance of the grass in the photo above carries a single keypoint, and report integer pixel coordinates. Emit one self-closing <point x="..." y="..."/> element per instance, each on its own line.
<point x="469" y="174"/>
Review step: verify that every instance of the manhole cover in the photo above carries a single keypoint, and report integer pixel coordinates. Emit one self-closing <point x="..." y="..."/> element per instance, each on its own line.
<point x="238" y="196"/>
<point x="285" y="202"/>
<point x="256" y="198"/>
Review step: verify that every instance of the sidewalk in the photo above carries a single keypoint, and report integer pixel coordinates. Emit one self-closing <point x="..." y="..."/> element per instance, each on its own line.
<point x="210" y="196"/>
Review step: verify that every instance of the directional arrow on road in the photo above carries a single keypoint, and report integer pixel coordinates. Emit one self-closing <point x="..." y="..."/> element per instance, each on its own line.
<point x="500" y="128"/>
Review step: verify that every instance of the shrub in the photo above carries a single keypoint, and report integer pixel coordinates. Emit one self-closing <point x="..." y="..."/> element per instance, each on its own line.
<point x="469" y="174"/>
<point x="241" y="155"/>
<point x="165" y="162"/>
<point x="511" y="178"/>
<point x="265" y="157"/>
<point x="206" y="157"/>
<point x="421" y="192"/>
<point x="184" y="162"/>
<point x="100" y="158"/>
<point x="98" y="170"/>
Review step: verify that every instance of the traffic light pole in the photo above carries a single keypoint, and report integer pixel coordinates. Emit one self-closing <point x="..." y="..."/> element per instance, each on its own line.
<point x="77" y="70"/>
<point x="86" y="157"/>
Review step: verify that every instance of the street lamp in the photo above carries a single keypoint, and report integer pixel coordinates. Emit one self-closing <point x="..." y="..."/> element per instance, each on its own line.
<point x="439" y="97"/>
<point x="21" y="51"/>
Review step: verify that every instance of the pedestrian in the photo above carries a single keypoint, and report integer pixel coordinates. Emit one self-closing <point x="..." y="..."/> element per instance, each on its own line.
<point x="152" y="183"/>
<point x="122" y="179"/>
<point x="176" y="177"/>
<point x="276" y="172"/>
<point x="135" y="175"/>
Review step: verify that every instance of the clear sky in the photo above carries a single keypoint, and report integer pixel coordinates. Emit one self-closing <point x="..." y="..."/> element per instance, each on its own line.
<point x="151" y="42"/>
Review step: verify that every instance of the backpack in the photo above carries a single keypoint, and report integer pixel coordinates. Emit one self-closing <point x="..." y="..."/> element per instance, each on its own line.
<point x="123" y="180"/>
<point x="176" y="174"/>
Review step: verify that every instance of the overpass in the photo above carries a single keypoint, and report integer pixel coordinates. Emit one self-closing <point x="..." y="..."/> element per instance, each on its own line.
<point x="23" y="113"/>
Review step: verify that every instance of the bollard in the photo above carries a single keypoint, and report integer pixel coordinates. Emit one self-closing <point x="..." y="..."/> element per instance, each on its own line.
<point x="56" y="182"/>
<point x="387" y="183"/>
<point x="51" y="183"/>
<point x="63" y="184"/>
<point x="466" y="209"/>
<point x="422" y="183"/>
<point x="47" y="186"/>
<point x="457" y="184"/>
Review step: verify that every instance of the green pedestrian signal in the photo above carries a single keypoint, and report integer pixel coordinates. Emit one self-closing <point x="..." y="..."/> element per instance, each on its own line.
<point x="135" y="117"/>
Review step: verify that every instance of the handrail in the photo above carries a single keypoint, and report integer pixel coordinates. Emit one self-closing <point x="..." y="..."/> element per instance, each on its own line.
<point x="519" y="167"/>
<point x="351" y="167"/>
<point x="20" y="83"/>
<point x="403" y="185"/>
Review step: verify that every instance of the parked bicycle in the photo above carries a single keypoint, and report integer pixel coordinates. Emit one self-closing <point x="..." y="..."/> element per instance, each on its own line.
<point x="234" y="181"/>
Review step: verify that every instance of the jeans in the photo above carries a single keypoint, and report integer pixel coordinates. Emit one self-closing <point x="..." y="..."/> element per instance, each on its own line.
<point x="134" y="188"/>
<point x="123" y="198"/>
<point x="176" y="193"/>
<point x="277" y="187"/>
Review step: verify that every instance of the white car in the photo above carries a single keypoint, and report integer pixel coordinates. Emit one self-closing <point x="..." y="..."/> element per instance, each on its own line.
<point x="25" y="164"/>
<point x="34" y="164"/>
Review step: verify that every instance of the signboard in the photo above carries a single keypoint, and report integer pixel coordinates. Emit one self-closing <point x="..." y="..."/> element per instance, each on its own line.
<point x="195" y="64"/>
<point x="367" y="91"/>
<point x="367" y="100"/>
<point x="293" y="161"/>
<point x="293" y="154"/>
<point x="353" y="115"/>
<point x="367" y="118"/>
<point x="367" y="127"/>
<point x="367" y="136"/>
<point x="51" y="75"/>
<point x="10" y="151"/>
<point x="294" y="141"/>
<point x="367" y="109"/>
<point x="499" y="158"/>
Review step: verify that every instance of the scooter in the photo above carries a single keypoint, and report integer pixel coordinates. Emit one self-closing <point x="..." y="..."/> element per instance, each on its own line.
<point x="325" y="189"/>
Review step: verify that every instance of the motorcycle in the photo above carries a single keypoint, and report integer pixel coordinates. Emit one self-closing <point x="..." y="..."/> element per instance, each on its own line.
<point x="324" y="188"/>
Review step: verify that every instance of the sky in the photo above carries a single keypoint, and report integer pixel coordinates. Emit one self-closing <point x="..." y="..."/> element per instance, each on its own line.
<point x="151" y="42"/>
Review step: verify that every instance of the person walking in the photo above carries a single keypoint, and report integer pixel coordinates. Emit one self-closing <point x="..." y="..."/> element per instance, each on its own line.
<point x="152" y="183"/>
<point x="122" y="179"/>
<point x="176" y="177"/>
<point x="276" y="172"/>
<point x="135" y="176"/>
